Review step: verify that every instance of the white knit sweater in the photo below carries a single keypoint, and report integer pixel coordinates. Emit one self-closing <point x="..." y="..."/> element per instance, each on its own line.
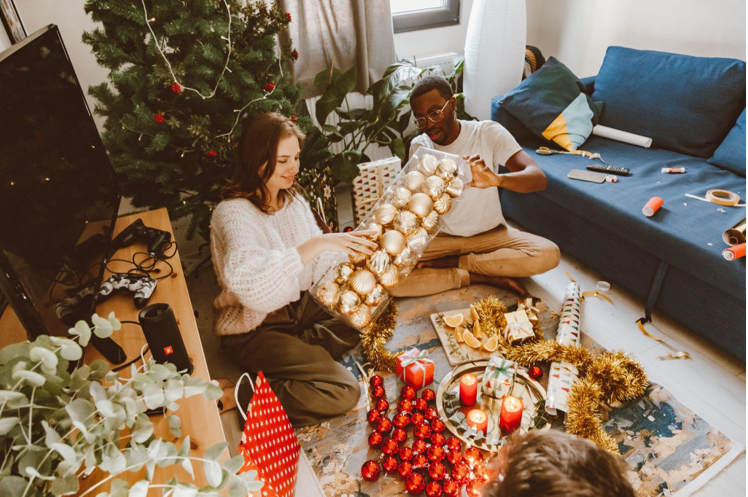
<point x="256" y="261"/>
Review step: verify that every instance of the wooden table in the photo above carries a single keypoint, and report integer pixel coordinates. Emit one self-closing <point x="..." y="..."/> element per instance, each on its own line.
<point x="200" y="418"/>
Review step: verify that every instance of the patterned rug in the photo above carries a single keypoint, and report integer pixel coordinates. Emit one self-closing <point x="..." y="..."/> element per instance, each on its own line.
<point x="669" y="448"/>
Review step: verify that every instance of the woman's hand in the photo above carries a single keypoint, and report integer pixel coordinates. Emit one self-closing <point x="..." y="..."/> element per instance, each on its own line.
<point x="352" y="243"/>
<point x="483" y="176"/>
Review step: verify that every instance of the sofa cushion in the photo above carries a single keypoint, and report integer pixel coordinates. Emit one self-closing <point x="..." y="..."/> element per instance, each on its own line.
<point x="731" y="154"/>
<point x="551" y="104"/>
<point x="684" y="232"/>
<point x="685" y="104"/>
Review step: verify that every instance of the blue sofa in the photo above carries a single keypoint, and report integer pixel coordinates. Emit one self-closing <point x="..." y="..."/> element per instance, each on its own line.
<point x="694" y="109"/>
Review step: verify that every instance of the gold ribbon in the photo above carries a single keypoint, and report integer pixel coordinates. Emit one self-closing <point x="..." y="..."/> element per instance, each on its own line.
<point x="678" y="354"/>
<point x="583" y="153"/>
<point x="595" y="293"/>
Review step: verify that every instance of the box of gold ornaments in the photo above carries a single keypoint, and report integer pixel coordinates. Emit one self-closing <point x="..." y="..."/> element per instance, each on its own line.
<point x="404" y="221"/>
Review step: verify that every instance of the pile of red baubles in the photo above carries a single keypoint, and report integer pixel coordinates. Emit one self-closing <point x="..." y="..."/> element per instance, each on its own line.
<point x="433" y="462"/>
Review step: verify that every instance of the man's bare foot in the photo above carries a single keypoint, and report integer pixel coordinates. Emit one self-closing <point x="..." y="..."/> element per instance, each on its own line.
<point x="441" y="263"/>
<point x="227" y="400"/>
<point x="499" y="282"/>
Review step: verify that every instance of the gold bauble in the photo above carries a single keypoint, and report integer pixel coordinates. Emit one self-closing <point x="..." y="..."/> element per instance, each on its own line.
<point x="390" y="278"/>
<point x="427" y="165"/>
<point x="362" y="282"/>
<point x="405" y="258"/>
<point x="431" y="222"/>
<point x="361" y="317"/>
<point x="393" y="242"/>
<point x="376" y="296"/>
<point x="420" y="204"/>
<point x="348" y="301"/>
<point x="399" y="198"/>
<point x="327" y="293"/>
<point x="413" y="181"/>
<point x="455" y="187"/>
<point x="357" y="259"/>
<point x="443" y="205"/>
<point x="378" y="262"/>
<point x="417" y="240"/>
<point x="385" y="213"/>
<point x="342" y="272"/>
<point x="406" y="222"/>
<point x="376" y="227"/>
<point x="434" y="187"/>
<point x="447" y="170"/>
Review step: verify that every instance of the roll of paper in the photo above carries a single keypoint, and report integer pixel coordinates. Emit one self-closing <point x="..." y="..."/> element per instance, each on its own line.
<point x="622" y="136"/>
<point x="736" y="234"/>
<point x="563" y="374"/>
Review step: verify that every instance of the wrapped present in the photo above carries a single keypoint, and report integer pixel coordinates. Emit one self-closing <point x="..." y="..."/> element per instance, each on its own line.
<point x="498" y="377"/>
<point x="518" y="327"/>
<point x="527" y="306"/>
<point x="372" y="180"/>
<point x="415" y="369"/>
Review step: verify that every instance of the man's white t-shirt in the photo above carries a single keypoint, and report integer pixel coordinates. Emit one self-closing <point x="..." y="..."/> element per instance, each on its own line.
<point x="478" y="210"/>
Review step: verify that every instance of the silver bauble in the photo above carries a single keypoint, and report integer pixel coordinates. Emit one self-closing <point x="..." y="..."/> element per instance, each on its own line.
<point x="405" y="222"/>
<point x="348" y="301"/>
<point x="434" y="187"/>
<point x="431" y="222"/>
<point x="378" y="262"/>
<point x="362" y="282"/>
<point x="376" y="296"/>
<point x="327" y="293"/>
<point x="420" y="204"/>
<point x="342" y="272"/>
<point x="455" y="187"/>
<point x="427" y="165"/>
<point x="399" y="198"/>
<point x="447" y="170"/>
<point x="384" y="214"/>
<point x="413" y="180"/>
<point x="443" y="204"/>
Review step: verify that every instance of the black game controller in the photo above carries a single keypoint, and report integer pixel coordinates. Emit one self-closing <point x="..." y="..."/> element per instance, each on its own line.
<point x="157" y="240"/>
<point x="143" y="286"/>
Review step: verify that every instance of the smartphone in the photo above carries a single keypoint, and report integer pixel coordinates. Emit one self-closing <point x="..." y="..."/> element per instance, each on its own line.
<point x="590" y="176"/>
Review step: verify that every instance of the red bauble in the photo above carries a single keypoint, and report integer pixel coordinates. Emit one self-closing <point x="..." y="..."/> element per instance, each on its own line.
<point x="451" y="488"/>
<point x="295" y="119"/>
<point x="428" y="395"/>
<point x="473" y="455"/>
<point x="421" y="404"/>
<point x="472" y="489"/>
<point x="269" y="86"/>
<point x="288" y="16"/>
<point x="377" y="392"/>
<point x="535" y="372"/>
<point x="460" y="473"/>
<point x="406" y="454"/>
<point x="420" y="446"/>
<point x="408" y="393"/>
<point x="431" y="414"/>
<point x="420" y="461"/>
<point x="295" y="55"/>
<point x="415" y="483"/>
<point x="417" y="418"/>
<point x="481" y="474"/>
<point x="401" y="420"/>
<point x="390" y="446"/>
<point x="438" y="439"/>
<point x="438" y="425"/>
<point x="405" y="406"/>
<point x="405" y="469"/>
<point x="373" y="416"/>
<point x="422" y="431"/>
<point x="400" y="435"/>
<point x="433" y="489"/>
<point x="211" y="153"/>
<point x="454" y="457"/>
<point x="176" y="88"/>
<point x="436" y="453"/>
<point x="454" y="443"/>
<point x="384" y="425"/>
<point x="370" y="470"/>
<point x="375" y="439"/>
<point x="437" y="471"/>
<point x="381" y="405"/>
<point x="376" y="380"/>
<point x="159" y="118"/>
<point x="390" y="464"/>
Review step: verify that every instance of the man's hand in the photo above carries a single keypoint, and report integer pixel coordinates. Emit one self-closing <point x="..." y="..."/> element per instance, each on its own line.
<point x="483" y="176"/>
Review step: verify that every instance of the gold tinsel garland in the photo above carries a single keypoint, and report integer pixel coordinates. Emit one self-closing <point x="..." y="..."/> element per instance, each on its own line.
<point x="609" y="377"/>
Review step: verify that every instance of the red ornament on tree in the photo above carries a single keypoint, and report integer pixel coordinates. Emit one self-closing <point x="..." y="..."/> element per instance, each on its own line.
<point x="415" y="483"/>
<point x="269" y="87"/>
<point x="436" y="453"/>
<point x="454" y="457"/>
<point x="437" y="471"/>
<point x="288" y="16"/>
<point x="390" y="446"/>
<point x="376" y="379"/>
<point x="420" y="461"/>
<point x="422" y="431"/>
<point x="408" y="393"/>
<point x="400" y="435"/>
<point x="405" y="469"/>
<point x="176" y="88"/>
<point x="428" y="395"/>
<point x="295" y="55"/>
<point x="460" y="473"/>
<point x="381" y="405"/>
<point x="211" y="153"/>
<point x="406" y="454"/>
<point x="405" y="406"/>
<point x="421" y="404"/>
<point x="473" y="455"/>
<point x="431" y="414"/>
<point x="451" y="488"/>
<point x="433" y="489"/>
<point x="370" y="470"/>
<point x="389" y="463"/>
<point x="384" y="425"/>
<point x="295" y="119"/>
<point x="159" y="118"/>
<point x="454" y="443"/>
<point x="417" y="418"/>
<point x="438" y="425"/>
<point x="373" y="417"/>
<point x="377" y="392"/>
<point x="375" y="439"/>
<point x="420" y="446"/>
<point x="535" y="372"/>
<point x="401" y="420"/>
<point x="472" y="489"/>
<point x="438" y="439"/>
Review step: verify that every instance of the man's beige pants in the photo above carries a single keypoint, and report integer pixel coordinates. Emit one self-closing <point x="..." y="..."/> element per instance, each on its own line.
<point x="502" y="251"/>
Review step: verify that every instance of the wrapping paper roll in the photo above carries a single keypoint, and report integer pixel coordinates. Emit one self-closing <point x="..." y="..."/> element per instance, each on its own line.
<point x="622" y="136"/>
<point x="563" y="375"/>
<point x="736" y="234"/>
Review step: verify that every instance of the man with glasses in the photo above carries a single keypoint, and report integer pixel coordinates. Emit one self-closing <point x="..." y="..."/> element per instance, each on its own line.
<point x="475" y="244"/>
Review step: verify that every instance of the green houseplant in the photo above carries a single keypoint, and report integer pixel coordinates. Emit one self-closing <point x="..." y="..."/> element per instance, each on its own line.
<point x="57" y="425"/>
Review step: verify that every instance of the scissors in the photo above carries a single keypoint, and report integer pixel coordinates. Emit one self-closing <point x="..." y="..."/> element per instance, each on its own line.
<point x="583" y="153"/>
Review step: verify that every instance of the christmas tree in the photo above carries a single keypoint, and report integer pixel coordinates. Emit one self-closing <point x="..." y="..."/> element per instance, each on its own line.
<point x="185" y="75"/>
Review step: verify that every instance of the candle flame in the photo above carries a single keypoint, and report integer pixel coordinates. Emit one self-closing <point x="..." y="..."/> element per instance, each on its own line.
<point x="468" y="379"/>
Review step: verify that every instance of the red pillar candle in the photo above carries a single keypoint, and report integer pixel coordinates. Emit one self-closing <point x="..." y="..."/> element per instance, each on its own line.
<point x="468" y="389"/>
<point x="511" y="414"/>
<point x="478" y="419"/>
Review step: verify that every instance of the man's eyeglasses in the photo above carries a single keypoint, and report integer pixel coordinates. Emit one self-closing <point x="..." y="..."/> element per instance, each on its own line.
<point x="434" y="117"/>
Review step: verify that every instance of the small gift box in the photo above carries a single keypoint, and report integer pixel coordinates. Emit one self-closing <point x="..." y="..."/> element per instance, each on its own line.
<point x="498" y="377"/>
<point x="415" y="369"/>
<point x="518" y="327"/>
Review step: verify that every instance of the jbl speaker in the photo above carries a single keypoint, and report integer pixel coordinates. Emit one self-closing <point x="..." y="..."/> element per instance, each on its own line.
<point x="163" y="336"/>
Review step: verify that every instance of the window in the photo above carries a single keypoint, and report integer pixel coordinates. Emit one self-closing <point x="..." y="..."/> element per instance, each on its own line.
<point x="412" y="15"/>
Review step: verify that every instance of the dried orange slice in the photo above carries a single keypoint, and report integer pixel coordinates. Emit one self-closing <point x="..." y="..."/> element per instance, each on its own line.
<point x="477" y="330"/>
<point x="492" y="344"/>
<point x="454" y="321"/>
<point x="459" y="333"/>
<point x="471" y="341"/>
<point x="474" y="313"/>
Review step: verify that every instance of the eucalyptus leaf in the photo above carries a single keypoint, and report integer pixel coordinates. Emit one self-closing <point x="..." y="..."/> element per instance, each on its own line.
<point x="97" y="392"/>
<point x="187" y="466"/>
<point x="114" y="322"/>
<point x="139" y="489"/>
<point x="142" y="430"/>
<point x="175" y="425"/>
<point x="119" y="488"/>
<point x="234" y="464"/>
<point x="158" y="372"/>
<point x="14" y="486"/>
<point x="82" y="331"/>
<point x="29" y="377"/>
<point x="32" y="471"/>
<point x="185" y="490"/>
<point x="213" y="473"/>
<point x="66" y="451"/>
<point x="80" y="410"/>
<point x="7" y="424"/>
<point x="213" y="391"/>
<point x="153" y="396"/>
<point x="65" y="485"/>
<point x="106" y="408"/>
<point x="69" y="349"/>
<point x="102" y="327"/>
<point x="194" y="386"/>
<point x="174" y="390"/>
<point x="214" y="452"/>
<point x="46" y="357"/>
<point x="51" y="436"/>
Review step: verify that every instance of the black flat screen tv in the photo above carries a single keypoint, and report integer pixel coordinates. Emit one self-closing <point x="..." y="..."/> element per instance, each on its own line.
<point x="58" y="193"/>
